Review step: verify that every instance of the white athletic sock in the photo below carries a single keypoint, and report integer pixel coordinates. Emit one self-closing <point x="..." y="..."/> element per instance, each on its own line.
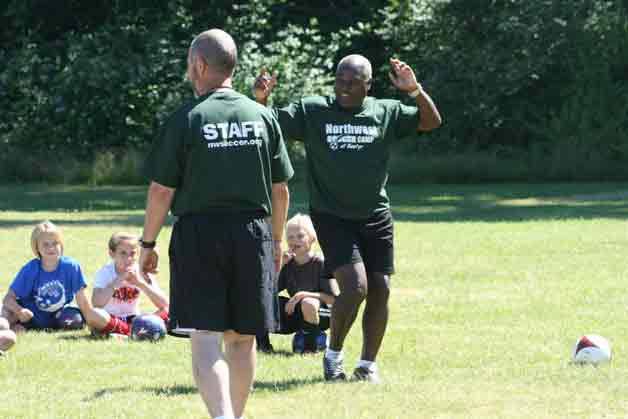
<point x="224" y="417"/>
<point x="369" y="365"/>
<point x="335" y="355"/>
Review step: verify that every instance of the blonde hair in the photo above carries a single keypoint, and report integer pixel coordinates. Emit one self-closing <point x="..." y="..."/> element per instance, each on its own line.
<point x="303" y="221"/>
<point x="117" y="238"/>
<point x="45" y="227"/>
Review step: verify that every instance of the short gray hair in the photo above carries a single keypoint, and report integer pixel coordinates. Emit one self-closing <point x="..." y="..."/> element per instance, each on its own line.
<point x="357" y="63"/>
<point x="217" y="48"/>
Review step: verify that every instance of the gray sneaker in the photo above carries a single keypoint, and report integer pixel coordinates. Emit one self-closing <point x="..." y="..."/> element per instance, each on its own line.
<point x="364" y="374"/>
<point x="334" y="371"/>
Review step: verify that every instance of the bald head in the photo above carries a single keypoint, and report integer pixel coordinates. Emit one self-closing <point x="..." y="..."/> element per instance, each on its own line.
<point x="357" y="64"/>
<point x="217" y="49"/>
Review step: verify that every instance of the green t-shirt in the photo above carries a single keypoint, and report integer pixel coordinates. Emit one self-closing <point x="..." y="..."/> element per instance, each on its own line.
<point x="347" y="152"/>
<point x="221" y="153"/>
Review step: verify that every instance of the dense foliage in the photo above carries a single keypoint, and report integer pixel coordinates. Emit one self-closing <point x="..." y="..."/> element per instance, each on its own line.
<point x="541" y="82"/>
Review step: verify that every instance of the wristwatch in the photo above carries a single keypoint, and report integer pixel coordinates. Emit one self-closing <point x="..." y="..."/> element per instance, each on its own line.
<point x="147" y="245"/>
<point x="417" y="91"/>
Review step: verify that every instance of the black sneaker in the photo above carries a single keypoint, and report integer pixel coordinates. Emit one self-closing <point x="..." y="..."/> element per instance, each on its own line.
<point x="263" y="343"/>
<point x="334" y="371"/>
<point x="364" y="374"/>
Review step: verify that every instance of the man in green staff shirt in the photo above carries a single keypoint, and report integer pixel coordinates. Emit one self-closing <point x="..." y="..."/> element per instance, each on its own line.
<point x="347" y="140"/>
<point x="220" y="165"/>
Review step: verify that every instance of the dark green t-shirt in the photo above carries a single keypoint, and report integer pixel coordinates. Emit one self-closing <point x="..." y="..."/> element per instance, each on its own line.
<point x="221" y="153"/>
<point x="347" y="152"/>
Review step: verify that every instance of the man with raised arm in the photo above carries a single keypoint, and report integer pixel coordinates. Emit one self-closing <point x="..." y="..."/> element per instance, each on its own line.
<point x="347" y="140"/>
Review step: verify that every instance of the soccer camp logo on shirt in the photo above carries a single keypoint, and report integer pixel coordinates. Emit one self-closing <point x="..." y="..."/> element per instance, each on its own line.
<point x="350" y="137"/>
<point x="50" y="297"/>
<point x="234" y="134"/>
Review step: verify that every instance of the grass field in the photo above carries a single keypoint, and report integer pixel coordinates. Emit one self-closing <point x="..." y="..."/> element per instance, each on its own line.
<point x="494" y="284"/>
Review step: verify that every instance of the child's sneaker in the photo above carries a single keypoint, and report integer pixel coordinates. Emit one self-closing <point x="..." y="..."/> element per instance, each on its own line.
<point x="298" y="342"/>
<point x="321" y="341"/>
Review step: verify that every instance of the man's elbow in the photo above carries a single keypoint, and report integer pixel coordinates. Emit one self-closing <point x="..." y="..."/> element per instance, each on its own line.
<point x="430" y="124"/>
<point x="159" y="191"/>
<point x="280" y="191"/>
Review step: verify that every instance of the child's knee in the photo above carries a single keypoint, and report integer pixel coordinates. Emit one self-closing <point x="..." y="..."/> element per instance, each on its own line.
<point x="309" y="308"/>
<point x="97" y="318"/>
<point x="4" y="324"/>
<point x="7" y="339"/>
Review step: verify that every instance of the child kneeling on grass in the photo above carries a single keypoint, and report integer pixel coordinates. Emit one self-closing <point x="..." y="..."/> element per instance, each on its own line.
<point x="42" y="288"/>
<point x="311" y="291"/>
<point x="118" y="286"/>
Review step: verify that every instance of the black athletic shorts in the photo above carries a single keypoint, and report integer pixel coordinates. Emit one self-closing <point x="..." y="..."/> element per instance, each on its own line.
<point x="350" y="241"/>
<point x="222" y="275"/>
<point x="294" y="323"/>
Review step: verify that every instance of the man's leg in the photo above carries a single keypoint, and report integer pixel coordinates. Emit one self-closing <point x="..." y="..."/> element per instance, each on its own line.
<point x="241" y="355"/>
<point x="211" y="372"/>
<point x="375" y="318"/>
<point x="353" y="290"/>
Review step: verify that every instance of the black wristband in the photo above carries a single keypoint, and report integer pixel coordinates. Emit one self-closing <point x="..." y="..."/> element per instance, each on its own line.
<point x="147" y="245"/>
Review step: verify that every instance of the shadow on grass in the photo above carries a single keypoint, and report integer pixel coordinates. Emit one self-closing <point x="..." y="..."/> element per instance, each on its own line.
<point x="78" y="337"/>
<point x="508" y="202"/>
<point x="29" y="198"/>
<point x="165" y="391"/>
<point x="107" y="391"/>
<point x="285" y="385"/>
<point x="133" y="220"/>
<point x="89" y="337"/>
<point x="278" y="353"/>
<point x="414" y="203"/>
<point x="171" y="391"/>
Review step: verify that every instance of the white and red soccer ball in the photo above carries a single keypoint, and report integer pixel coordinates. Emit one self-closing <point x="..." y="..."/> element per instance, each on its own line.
<point x="591" y="349"/>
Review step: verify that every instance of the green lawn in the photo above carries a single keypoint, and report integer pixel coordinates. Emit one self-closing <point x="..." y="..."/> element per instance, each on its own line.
<point x="494" y="284"/>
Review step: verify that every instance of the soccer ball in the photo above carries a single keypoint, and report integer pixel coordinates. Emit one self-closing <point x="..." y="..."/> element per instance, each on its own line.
<point x="69" y="318"/>
<point x="591" y="349"/>
<point x="148" y="327"/>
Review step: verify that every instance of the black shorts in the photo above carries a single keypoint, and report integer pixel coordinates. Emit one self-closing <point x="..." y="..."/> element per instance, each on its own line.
<point x="222" y="275"/>
<point x="350" y="241"/>
<point x="294" y="323"/>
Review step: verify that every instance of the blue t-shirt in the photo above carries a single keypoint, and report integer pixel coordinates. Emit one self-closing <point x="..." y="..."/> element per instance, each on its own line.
<point x="44" y="293"/>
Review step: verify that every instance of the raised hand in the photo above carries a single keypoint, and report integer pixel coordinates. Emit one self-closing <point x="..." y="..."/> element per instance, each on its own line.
<point x="132" y="277"/>
<point x="402" y="76"/>
<point x="263" y="85"/>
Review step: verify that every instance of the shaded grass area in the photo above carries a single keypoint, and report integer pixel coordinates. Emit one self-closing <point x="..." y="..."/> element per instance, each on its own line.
<point x="422" y="203"/>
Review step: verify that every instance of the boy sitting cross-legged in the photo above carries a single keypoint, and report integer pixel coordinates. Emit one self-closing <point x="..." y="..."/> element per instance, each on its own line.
<point x="118" y="286"/>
